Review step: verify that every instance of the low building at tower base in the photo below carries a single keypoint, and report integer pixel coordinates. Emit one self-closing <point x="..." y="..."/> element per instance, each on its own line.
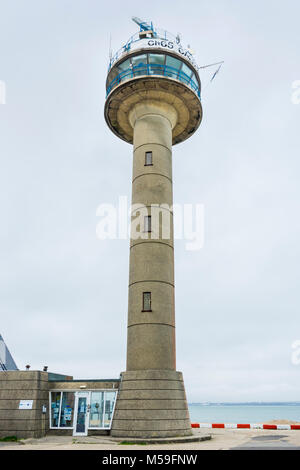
<point x="36" y="403"/>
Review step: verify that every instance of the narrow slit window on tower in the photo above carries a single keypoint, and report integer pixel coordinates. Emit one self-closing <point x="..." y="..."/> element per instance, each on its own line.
<point x="147" y="302"/>
<point x="148" y="159"/>
<point x="147" y="223"/>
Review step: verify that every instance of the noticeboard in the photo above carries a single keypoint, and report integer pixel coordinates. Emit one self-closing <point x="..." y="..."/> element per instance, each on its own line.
<point x="25" y="404"/>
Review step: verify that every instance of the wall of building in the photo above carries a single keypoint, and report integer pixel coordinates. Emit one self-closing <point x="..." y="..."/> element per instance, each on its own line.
<point x="23" y="385"/>
<point x="83" y="384"/>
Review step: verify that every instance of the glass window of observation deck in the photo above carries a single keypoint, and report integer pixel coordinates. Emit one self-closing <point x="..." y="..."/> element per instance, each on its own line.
<point x="157" y="59"/>
<point x="186" y="73"/>
<point x="173" y="66"/>
<point x="153" y="64"/>
<point x="156" y="64"/>
<point x="139" y="65"/>
<point x="185" y="69"/>
<point x="124" y="65"/>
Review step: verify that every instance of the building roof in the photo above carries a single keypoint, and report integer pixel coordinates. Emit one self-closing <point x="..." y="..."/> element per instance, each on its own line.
<point x="6" y="360"/>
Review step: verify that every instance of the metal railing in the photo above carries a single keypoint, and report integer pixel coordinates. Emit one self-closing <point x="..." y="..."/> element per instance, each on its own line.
<point x="153" y="69"/>
<point x="157" y="34"/>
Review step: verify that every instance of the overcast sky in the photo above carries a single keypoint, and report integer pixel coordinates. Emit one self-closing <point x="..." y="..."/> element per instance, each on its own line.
<point x="63" y="292"/>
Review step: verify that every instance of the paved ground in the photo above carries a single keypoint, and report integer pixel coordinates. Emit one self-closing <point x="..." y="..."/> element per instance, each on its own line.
<point x="222" y="439"/>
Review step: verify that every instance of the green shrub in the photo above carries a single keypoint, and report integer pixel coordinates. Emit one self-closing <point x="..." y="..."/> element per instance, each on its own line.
<point x="8" y="439"/>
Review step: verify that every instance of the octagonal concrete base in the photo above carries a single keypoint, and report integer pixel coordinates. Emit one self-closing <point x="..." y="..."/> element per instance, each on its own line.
<point x="165" y="440"/>
<point x="151" y="404"/>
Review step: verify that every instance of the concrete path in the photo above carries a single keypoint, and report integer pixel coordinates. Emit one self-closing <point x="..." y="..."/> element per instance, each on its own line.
<point x="222" y="439"/>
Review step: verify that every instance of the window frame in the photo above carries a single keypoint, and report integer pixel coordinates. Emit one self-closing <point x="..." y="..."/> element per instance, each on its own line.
<point x="148" y="225"/>
<point x="59" y="412"/>
<point x="147" y="153"/>
<point x="150" y="309"/>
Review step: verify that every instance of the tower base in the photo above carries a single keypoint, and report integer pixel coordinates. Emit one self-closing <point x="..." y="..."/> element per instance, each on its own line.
<point x="151" y="404"/>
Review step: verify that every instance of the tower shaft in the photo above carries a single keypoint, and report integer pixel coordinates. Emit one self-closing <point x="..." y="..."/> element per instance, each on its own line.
<point x="152" y="400"/>
<point x="151" y="334"/>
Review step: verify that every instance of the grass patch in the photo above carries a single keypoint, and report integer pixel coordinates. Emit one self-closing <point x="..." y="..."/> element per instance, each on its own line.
<point x="9" y="439"/>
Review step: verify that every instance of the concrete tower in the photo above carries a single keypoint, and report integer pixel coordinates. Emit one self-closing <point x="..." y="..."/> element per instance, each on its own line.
<point x="153" y="102"/>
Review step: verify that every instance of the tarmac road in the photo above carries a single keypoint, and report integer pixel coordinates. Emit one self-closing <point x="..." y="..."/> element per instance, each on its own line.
<point x="271" y="442"/>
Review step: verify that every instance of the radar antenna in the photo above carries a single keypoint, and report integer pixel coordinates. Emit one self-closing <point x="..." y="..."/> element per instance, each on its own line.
<point x="144" y="26"/>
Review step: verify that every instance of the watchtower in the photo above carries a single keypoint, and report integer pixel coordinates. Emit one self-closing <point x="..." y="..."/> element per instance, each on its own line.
<point x="153" y="102"/>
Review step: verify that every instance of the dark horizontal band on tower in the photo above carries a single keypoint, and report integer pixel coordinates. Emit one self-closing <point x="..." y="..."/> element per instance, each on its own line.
<point x="152" y="205"/>
<point x="152" y="143"/>
<point x="156" y="174"/>
<point x="151" y="241"/>
<point x="151" y="323"/>
<point x="158" y="379"/>
<point x="152" y="280"/>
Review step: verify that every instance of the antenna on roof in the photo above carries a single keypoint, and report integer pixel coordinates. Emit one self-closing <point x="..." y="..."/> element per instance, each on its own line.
<point x="110" y="49"/>
<point x="211" y="65"/>
<point x="217" y="70"/>
<point x="190" y="49"/>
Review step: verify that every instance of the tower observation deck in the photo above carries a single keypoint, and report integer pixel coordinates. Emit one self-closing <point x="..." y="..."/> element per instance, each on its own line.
<point x="153" y="64"/>
<point x="153" y="102"/>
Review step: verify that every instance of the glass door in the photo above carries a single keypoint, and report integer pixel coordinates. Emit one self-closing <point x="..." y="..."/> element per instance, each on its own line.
<point x="82" y="408"/>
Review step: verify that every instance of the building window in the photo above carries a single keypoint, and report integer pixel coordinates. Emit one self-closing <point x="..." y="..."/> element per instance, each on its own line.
<point x="98" y="404"/>
<point x="147" y="302"/>
<point x="55" y="408"/>
<point x="148" y="159"/>
<point x="147" y="223"/>
<point x="96" y="412"/>
<point x="102" y="408"/>
<point x="62" y="409"/>
<point x="108" y="409"/>
<point x="67" y="410"/>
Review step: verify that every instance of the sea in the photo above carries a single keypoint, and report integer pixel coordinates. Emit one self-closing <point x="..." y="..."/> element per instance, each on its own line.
<point x="244" y="413"/>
